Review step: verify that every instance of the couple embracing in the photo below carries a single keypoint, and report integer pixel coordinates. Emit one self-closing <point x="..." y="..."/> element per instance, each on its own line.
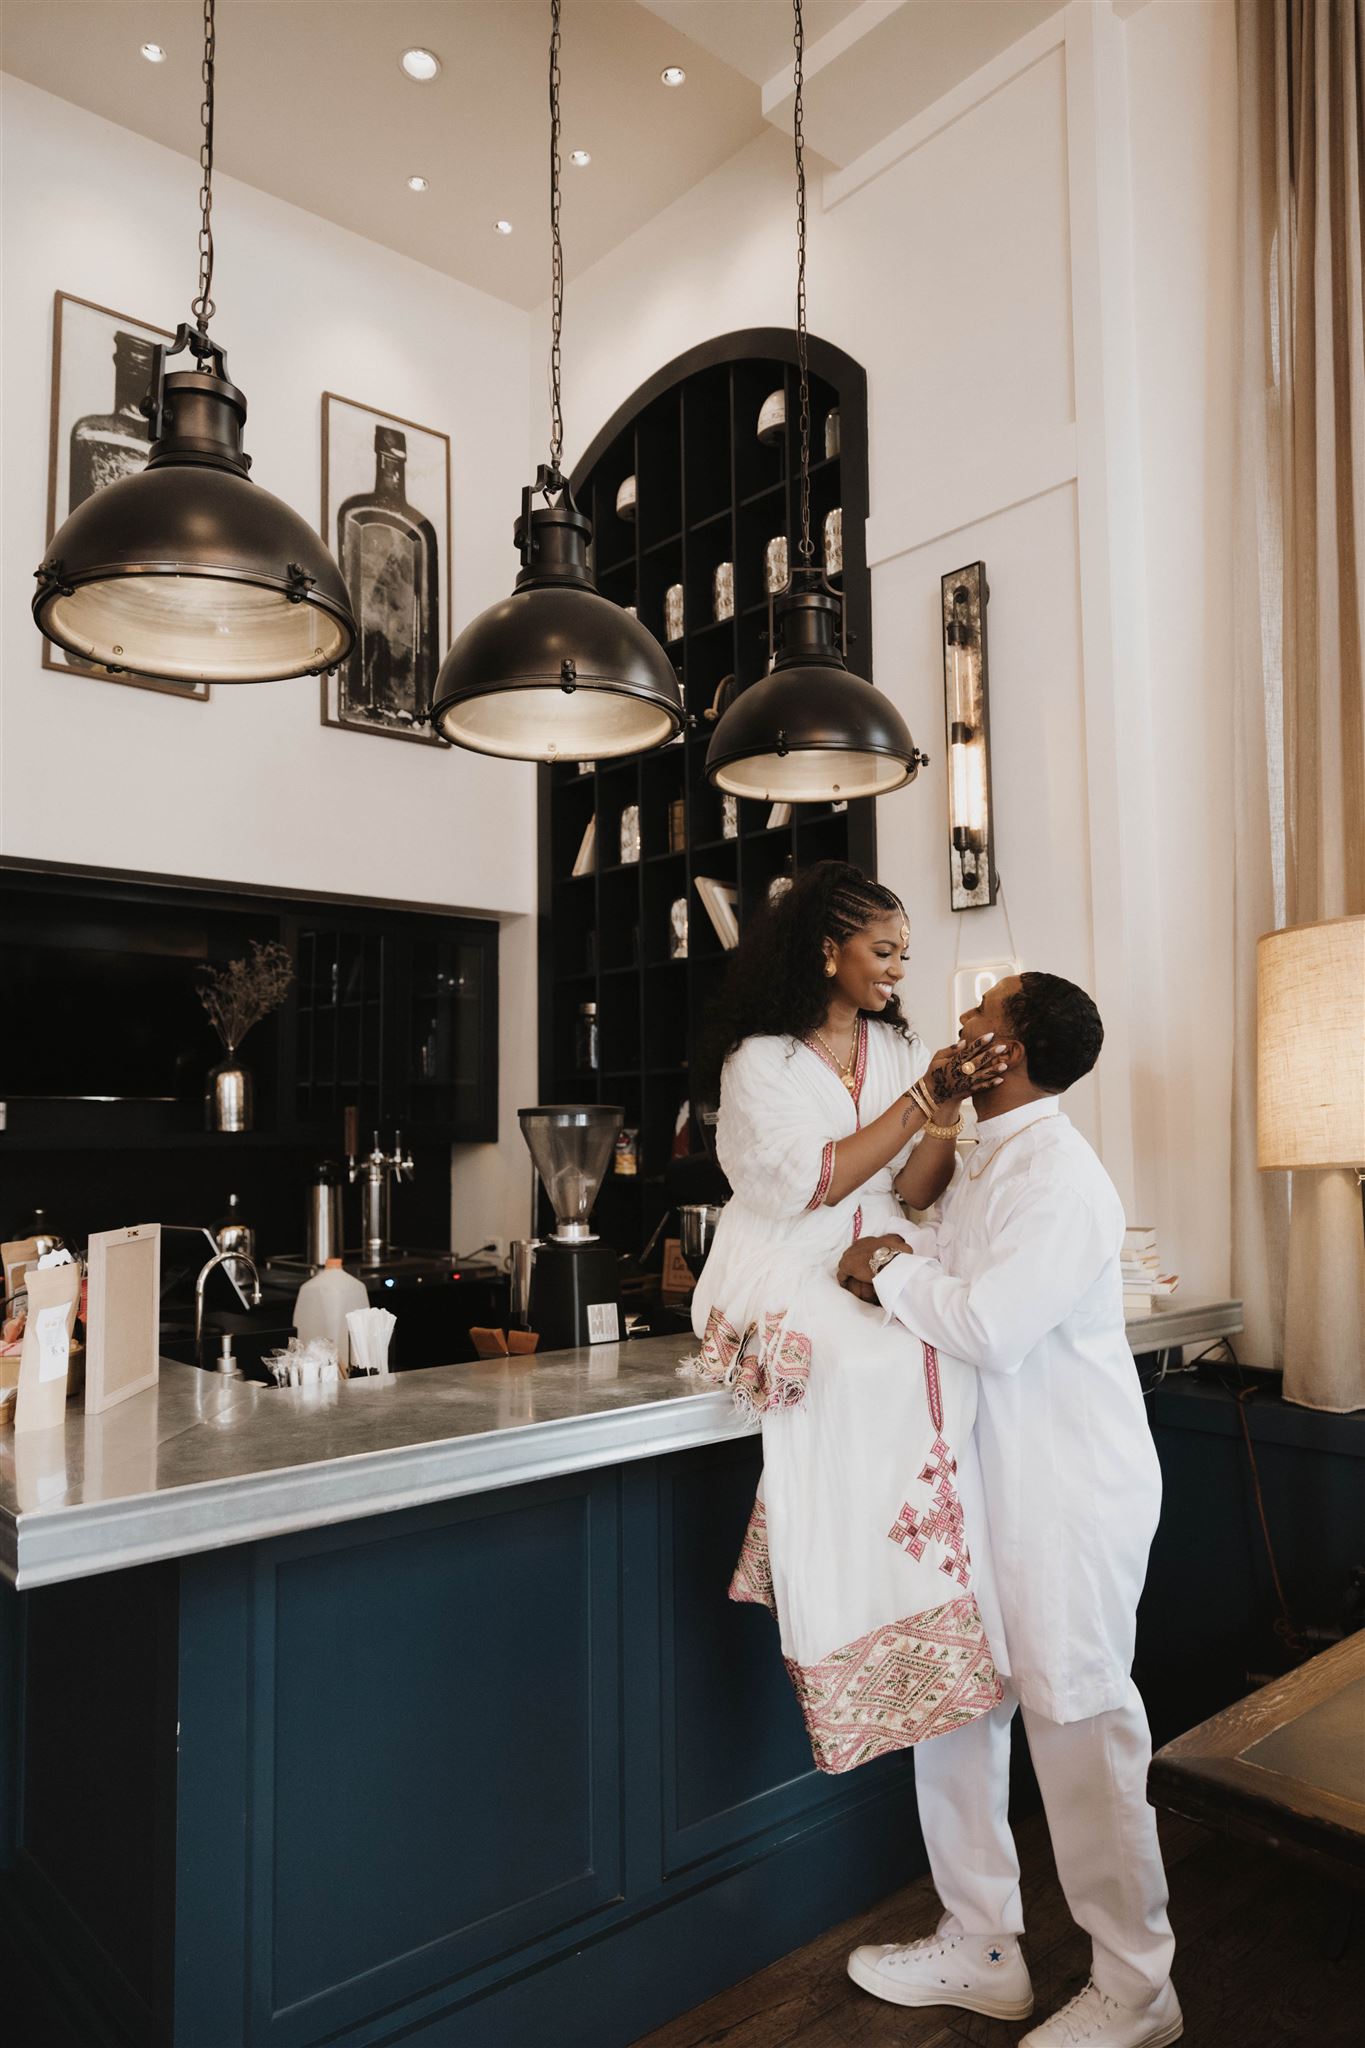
<point x="959" y="1488"/>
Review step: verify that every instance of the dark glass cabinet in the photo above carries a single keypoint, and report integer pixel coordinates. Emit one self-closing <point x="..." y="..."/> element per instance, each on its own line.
<point x="393" y="1010"/>
<point x="710" y="495"/>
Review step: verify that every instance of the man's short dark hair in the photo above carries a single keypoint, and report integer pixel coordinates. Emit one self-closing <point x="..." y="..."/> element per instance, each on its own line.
<point x="1059" y="1028"/>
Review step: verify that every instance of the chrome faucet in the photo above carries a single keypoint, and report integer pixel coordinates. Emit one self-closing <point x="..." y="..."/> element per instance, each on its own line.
<point x="229" y="1258"/>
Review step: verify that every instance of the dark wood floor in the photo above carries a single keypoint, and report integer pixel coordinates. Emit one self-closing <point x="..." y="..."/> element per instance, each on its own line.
<point x="1249" y="1967"/>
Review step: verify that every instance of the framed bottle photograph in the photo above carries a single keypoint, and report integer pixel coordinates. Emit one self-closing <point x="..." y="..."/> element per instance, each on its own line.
<point x="386" y="518"/>
<point x="101" y="372"/>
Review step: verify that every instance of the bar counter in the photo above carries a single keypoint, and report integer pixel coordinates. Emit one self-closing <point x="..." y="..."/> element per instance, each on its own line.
<point x="203" y="1461"/>
<point x="416" y="1714"/>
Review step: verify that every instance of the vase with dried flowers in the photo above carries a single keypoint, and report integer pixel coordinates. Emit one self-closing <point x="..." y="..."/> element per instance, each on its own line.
<point x="236" y="997"/>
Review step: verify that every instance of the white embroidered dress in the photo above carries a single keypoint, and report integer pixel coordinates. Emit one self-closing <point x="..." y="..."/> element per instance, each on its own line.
<point x="857" y="1540"/>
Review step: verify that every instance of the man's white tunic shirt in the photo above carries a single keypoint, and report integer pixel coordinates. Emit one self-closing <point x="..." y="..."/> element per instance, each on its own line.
<point x="1021" y="1278"/>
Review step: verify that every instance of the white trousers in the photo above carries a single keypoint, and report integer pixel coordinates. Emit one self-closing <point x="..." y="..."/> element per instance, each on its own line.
<point x="1093" y="1778"/>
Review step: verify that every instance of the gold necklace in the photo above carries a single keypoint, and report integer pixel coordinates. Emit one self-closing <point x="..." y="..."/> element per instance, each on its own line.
<point x="844" y="1070"/>
<point x="976" y="1175"/>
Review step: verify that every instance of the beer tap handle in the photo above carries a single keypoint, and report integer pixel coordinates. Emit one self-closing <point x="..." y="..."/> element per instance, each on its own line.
<point x="352" y="1140"/>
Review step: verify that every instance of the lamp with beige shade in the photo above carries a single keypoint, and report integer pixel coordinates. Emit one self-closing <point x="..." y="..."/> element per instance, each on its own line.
<point x="1310" y="1100"/>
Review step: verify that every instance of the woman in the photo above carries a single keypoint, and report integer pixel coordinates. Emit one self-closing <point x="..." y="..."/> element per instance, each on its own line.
<point x="832" y="1114"/>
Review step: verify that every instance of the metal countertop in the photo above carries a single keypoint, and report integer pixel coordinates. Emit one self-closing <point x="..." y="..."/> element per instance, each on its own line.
<point x="198" y="1462"/>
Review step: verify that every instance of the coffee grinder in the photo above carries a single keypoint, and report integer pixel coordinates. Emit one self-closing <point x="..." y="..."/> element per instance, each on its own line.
<point x="575" y="1290"/>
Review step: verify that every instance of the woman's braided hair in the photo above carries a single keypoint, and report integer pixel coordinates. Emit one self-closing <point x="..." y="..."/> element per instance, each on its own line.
<point x="776" y="984"/>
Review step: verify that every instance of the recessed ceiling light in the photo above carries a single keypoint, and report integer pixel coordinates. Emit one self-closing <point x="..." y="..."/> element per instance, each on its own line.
<point x="673" y="74"/>
<point x="502" y="227"/>
<point x="154" y="53"/>
<point x="422" y="65"/>
<point x="579" y="157"/>
<point x="416" y="184"/>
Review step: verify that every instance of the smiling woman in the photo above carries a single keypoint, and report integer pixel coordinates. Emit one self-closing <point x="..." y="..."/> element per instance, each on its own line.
<point x="823" y="1129"/>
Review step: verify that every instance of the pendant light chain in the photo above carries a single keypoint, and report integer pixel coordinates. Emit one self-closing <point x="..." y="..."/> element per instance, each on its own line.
<point x="202" y="306"/>
<point x="805" y="546"/>
<point x="556" y="256"/>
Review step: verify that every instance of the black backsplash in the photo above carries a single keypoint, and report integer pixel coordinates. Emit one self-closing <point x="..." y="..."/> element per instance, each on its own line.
<point x="83" y="1191"/>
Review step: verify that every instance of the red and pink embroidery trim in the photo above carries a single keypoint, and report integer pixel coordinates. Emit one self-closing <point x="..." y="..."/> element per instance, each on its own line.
<point x="764" y="1367"/>
<point x="753" y="1577"/>
<point x="826" y="1176"/>
<point x="899" y="1684"/>
<point x="858" y="1076"/>
<point x="937" y="1520"/>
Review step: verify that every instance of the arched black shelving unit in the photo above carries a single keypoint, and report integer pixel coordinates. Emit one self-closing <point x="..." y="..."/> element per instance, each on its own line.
<point x="708" y="491"/>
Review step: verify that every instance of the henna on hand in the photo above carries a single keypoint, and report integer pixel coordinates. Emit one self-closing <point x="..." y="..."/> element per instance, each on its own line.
<point x="964" y="1070"/>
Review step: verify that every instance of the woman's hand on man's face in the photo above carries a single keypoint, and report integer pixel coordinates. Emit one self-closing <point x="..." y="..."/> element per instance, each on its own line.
<point x="967" y="1068"/>
<point x="855" y="1267"/>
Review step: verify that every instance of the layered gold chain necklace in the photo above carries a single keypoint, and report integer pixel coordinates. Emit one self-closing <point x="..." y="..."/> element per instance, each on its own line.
<point x="845" y="1069"/>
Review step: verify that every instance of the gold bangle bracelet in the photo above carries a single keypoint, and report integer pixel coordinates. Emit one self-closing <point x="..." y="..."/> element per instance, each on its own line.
<point x="932" y="1130"/>
<point x="922" y="1100"/>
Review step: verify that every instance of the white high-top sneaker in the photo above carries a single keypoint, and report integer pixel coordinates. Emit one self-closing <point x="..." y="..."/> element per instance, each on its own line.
<point x="1092" y="2019"/>
<point x="979" y="1972"/>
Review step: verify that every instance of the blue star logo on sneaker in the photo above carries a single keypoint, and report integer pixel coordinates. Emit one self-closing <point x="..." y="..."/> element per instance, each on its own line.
<point x="995" y="1955"/>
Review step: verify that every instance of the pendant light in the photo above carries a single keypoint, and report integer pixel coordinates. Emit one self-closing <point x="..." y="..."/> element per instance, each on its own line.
<point x="556" y="670"/>
<point x="810" y="731"/>
<point x="188" y="571"/>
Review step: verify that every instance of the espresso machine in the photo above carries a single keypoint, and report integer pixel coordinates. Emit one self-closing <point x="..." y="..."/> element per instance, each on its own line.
<point x="575" y="1293"/>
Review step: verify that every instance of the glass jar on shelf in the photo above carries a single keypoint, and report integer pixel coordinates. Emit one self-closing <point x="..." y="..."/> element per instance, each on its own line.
<point x="587" y="1040"/>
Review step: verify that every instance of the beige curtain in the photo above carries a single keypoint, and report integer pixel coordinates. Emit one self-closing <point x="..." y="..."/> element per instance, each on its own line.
<point x="1298" y="1260"/>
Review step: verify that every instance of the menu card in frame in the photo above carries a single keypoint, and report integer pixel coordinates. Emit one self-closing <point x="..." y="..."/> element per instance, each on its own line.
<point x="123" y="1312"/>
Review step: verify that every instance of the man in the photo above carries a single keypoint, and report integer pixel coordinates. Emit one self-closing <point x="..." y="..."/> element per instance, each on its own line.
<point x="1021" y="1278"/>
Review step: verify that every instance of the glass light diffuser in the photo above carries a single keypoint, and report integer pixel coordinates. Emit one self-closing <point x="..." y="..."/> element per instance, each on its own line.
<point x="972" y="882"/>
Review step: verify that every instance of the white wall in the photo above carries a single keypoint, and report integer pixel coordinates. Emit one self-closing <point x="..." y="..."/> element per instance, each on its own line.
<point x="251" y="787"/>
<point x="1037" y="276"/>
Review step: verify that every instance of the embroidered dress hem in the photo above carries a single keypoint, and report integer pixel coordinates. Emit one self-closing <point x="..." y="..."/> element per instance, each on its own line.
<point x="753" y="1576"/>
<point x="897" y="1685"/>
<point x="764" y="1367"/>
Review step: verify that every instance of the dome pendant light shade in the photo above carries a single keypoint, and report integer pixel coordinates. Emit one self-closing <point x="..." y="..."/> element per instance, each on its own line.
<point x="556" y="671"/>
<point x="188" y="571"/>
<point x="811" y="731"/>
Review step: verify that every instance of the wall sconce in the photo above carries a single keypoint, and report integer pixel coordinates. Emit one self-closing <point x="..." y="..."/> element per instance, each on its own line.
<point x="971" y="863"/>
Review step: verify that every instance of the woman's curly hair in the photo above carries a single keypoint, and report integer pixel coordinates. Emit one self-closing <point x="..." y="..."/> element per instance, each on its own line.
<point x="776" y="982"/>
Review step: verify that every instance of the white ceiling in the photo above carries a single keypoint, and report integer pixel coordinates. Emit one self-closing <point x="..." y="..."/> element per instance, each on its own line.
<point x="312" y="105"/>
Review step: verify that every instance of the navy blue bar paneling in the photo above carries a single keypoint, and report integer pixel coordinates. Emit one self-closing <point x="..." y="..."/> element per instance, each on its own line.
<point x="10" y="1629"/>
<point x="214" y="1815"/>
<point x="1208" y="1617"/>
<point x="436" y="1747"/>
<point x="97" y="1794"/>
<point x="736" y="1762"/>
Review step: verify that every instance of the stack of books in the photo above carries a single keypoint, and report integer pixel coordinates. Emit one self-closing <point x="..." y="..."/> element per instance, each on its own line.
<point x="1145" y="1286"/>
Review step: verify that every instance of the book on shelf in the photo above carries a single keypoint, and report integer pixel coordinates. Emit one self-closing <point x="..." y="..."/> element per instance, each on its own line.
<point x="780" y="814"/>
<point x="1138" y="1238"/>
<point x="719" y="900"/>
<point x="587" y="851"/>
